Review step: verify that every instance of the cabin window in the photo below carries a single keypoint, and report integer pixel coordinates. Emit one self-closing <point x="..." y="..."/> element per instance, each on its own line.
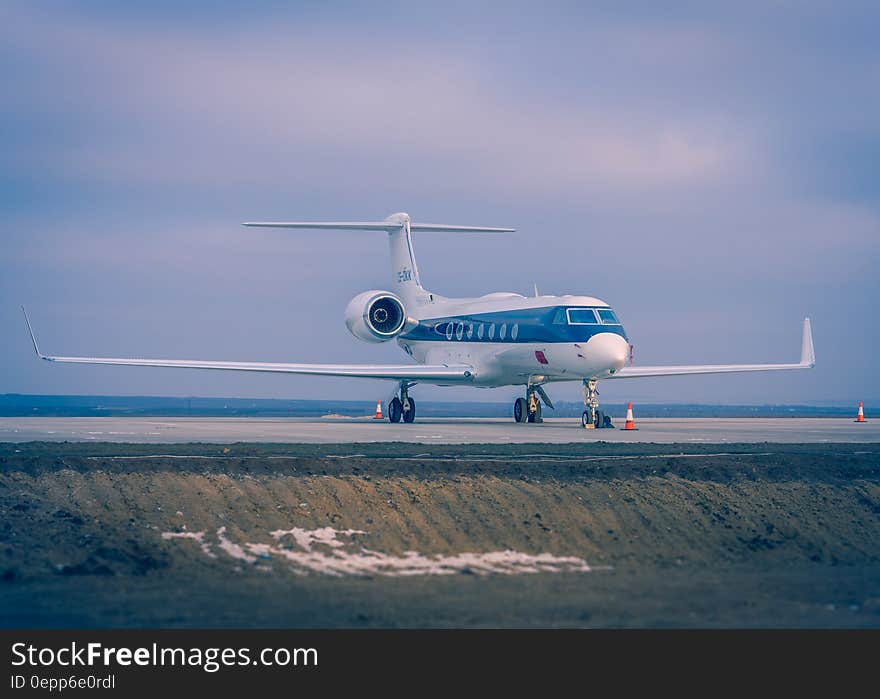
<point x="459" y="331"/>
<point x="607" y="316"/>
<point x="514" y="331"/>
<point x="503" y="332"/>
<point x="441" y="328"/>
<point x="582" y="316"/>
<point x="470" y="331"/>
<point x="480" y="331"/>
<point x="449" y="328"/>
<point x="491" y="331"/>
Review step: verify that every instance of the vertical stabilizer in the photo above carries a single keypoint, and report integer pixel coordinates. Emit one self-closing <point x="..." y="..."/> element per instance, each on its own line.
<point x="404" y="269"/>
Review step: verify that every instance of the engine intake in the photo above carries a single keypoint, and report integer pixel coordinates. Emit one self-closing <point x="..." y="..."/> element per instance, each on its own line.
<point x="375" y="316"/>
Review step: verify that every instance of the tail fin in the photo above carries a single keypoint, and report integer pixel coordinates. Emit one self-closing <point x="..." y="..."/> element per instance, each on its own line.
<point x="404" y="270"/>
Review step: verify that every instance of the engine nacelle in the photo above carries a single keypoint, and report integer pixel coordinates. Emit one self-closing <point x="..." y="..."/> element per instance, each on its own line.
<point x="375" y="316"/>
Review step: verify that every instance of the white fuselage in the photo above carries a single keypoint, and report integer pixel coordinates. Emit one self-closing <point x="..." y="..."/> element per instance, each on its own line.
<point x="511" y="339"/>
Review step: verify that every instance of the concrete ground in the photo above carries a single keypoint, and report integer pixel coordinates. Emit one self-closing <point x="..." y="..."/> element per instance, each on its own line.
<point x="431" y="430"/>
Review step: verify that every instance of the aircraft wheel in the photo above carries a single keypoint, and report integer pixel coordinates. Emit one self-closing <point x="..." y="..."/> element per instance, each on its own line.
<point x="521" y="410"/>
<point x="585" y="419"/>
<point x="410" y="414"/>
<point x="536" y="416"/>
<point x="395" y="410"/>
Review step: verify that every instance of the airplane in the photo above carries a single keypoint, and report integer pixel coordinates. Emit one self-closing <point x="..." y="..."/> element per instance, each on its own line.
<point x="500" y="339"/>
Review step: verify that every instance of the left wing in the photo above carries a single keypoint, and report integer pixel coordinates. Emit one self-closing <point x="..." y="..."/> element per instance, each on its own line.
<point x="808" y="361"/>
<point x="443" y="373"/>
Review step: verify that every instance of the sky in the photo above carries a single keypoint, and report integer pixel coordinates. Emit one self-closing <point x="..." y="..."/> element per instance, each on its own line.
<point x="708" y="169"/>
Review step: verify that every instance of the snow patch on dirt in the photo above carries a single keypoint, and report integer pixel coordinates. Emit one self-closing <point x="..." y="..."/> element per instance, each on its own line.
<point x="321" y="552"/>
<point x="198" y="537"/>
<point x="325" y="535"/>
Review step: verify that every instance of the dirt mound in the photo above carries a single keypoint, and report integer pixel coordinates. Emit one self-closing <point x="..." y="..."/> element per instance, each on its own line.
<point x="297" y="519"/>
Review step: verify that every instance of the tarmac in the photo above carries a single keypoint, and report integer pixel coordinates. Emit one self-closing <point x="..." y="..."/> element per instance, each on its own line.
<point x="334" y="430"/>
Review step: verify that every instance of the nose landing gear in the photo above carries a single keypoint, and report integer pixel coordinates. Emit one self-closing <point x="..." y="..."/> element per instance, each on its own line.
<point x="592" y="417"/>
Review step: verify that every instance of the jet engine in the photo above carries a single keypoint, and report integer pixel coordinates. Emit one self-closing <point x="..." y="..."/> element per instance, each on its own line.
<point x="375" y="316"/>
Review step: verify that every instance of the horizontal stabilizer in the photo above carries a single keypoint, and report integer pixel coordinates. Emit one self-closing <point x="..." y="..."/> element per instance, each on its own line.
<point x="328" y="225"/>
<point x="390" y="224"/>
<point x="441" y="227"/>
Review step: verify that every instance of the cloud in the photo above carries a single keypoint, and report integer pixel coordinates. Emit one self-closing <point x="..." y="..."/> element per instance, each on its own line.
<point x="259" y="105"/>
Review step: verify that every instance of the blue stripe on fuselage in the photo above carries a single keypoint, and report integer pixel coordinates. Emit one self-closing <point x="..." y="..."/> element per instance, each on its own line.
<point x="532" y="325"/>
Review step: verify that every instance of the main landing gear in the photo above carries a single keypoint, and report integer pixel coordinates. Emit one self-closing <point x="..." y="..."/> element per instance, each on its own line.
<point x="402" y="406"/>
<point x="593" y="418"/>
<point x="528" y="409"/>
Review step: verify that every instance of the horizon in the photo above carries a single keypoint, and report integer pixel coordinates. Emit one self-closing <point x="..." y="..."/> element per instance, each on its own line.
<point x="17" y="405"/>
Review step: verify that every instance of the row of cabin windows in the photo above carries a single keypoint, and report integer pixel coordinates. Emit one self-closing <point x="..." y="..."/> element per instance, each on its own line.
<point x="563" y="316"/>
<point x="461" y="330"/>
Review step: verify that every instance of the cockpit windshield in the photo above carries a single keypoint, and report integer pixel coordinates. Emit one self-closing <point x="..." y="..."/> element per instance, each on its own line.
<point x="607" y="316"/>
<point x="581" y="316"/>
<point x="591" y="316"/>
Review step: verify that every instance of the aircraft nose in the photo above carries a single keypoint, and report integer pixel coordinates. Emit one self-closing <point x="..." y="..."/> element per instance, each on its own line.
<point x="608" y="350"/>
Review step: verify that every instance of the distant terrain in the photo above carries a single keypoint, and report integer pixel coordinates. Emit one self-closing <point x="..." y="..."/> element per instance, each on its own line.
<point x="15" y="405"/>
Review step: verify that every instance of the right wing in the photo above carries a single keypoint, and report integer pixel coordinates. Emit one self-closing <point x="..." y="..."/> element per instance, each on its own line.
<point x="808" y="361"/>
<point x="442" y="373"/>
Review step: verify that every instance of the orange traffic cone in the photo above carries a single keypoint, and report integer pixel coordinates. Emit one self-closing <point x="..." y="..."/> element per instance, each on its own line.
<point x="378" y="415"/>
<point x="630" y="423"/>
<point x="861" y="415"/>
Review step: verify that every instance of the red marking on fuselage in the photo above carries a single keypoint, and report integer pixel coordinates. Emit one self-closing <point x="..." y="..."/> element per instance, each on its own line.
<point x="539" y="355"/>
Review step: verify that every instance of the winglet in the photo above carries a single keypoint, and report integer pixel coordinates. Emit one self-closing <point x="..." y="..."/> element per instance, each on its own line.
<point x="31" y="331"/>
<point x="808" y="355"/>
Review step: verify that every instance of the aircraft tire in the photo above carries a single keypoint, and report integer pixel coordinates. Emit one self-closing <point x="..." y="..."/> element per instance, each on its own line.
<point x="395" y="410"/>
<point x="410" y="415"/>
<point x="521" y="410"/>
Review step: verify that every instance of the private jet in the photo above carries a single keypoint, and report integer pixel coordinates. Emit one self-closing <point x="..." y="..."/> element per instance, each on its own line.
<point x="500" y="339"/>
